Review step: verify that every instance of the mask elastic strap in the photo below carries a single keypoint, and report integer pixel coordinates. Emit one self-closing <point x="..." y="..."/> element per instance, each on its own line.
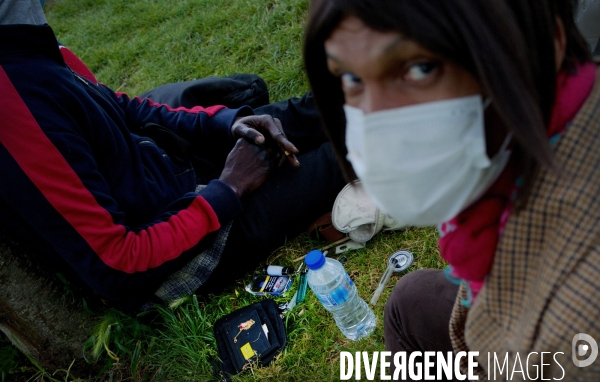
<point x="506" y="142"/>
<point x="487" y="103"/>
<point x="510" y="134"/>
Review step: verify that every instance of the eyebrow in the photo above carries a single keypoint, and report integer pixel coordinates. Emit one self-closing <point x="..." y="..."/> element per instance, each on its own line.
<point x="391" y="46"/>
<point x="394" y="44"/>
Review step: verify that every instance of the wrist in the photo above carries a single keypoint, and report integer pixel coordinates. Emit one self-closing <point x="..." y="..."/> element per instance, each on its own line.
<point x="237" y="190"/>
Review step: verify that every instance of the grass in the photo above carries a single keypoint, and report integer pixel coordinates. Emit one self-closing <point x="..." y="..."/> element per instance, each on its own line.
<point x="135" y="45"/>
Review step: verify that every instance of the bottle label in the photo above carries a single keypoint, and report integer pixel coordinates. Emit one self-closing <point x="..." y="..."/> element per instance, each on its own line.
<point x="339" y="295"/>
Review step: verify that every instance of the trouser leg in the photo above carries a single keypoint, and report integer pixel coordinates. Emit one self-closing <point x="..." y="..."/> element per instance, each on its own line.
<point x="232" y="91"/>
<point x="417" y="314"/>
<point x="280" y="209"/>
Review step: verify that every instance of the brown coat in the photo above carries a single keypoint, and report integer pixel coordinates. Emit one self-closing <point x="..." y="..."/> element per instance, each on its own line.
<point x="544" y="285"/>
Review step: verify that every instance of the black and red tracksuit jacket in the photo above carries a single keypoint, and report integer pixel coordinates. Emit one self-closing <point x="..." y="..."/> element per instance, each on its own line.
<point x="76" y="174"/>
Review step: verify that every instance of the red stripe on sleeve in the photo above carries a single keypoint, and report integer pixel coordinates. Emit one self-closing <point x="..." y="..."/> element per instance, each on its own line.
<point x="211" y="110"/>
<point x="57" y="181"/>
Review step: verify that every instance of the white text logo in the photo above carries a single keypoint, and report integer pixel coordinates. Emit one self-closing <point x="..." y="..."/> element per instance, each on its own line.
<point x="447" y="365"/>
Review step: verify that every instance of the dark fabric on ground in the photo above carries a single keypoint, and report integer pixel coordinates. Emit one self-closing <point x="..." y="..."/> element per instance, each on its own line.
<point x="417" y="314"/>
<point x="232" y="91"/>
<point x="279" y="210"/>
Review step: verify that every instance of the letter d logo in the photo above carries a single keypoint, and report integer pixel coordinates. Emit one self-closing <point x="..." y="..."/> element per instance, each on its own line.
<point x="581" y="350"/>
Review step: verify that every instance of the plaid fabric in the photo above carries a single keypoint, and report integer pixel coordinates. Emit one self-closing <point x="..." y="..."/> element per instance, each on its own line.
<point x="544" y="286"/>
<point x="191" y="276"/>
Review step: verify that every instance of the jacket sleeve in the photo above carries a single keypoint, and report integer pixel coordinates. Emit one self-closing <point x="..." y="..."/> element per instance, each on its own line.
<point x="51" y="179"/>
<point x="197" y="124"/>
<point x="208" y="129"/>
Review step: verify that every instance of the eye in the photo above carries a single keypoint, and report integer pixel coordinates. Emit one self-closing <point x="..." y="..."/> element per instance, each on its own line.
<point x="420" y="71"/>
<point x="349" y="81"/>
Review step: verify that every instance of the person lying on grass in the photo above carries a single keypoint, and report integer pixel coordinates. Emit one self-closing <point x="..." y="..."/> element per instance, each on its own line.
<point x="145" y="201"/>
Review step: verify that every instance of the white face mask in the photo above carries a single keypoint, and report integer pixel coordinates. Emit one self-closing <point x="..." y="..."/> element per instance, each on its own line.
<point x="423" y="164"/>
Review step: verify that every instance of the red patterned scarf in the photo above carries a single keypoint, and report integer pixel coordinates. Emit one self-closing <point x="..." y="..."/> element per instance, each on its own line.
<point x="468" y="241"/>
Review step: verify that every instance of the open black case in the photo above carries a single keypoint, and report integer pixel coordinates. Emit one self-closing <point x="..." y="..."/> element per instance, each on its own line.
<point x="251" y="335"/>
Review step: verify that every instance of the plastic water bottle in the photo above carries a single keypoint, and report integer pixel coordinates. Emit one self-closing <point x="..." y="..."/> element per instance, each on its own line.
<point x="329" y="281"/>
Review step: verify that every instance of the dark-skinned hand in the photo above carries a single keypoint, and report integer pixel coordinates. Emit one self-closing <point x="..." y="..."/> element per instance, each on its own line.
<point x="252" y="128"/>
<point x="247" y="166"/>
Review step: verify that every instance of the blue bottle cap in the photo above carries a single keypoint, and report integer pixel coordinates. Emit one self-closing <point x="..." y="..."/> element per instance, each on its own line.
<point x="314" y="259"/>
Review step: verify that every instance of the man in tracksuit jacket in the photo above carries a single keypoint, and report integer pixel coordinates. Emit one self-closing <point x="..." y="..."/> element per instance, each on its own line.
<point x="80" y="179"/>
